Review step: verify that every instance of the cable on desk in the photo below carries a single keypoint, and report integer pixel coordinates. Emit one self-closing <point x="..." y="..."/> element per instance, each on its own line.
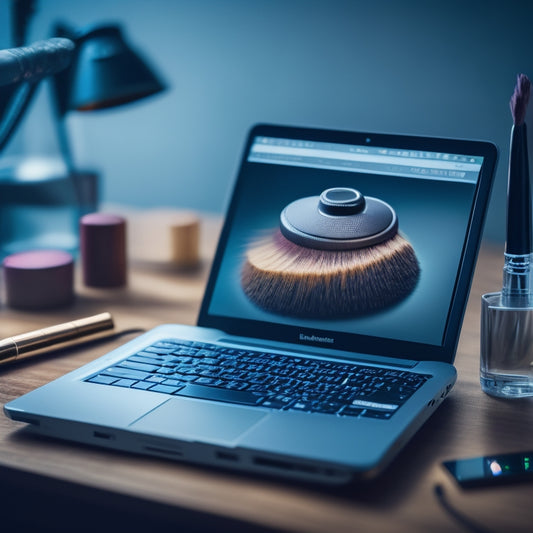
<point x="130" y="331"/>
<point x="114" y="335"/>
<point x="460" y="517"/>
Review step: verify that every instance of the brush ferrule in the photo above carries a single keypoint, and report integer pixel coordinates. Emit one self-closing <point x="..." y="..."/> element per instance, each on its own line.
<point x="517" y="279"/>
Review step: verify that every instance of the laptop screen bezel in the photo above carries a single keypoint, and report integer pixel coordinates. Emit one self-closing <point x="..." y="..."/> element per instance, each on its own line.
<point x="351" y="342"/>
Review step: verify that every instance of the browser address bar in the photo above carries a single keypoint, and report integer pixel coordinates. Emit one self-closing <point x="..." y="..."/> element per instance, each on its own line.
<point x="259" y="148"/>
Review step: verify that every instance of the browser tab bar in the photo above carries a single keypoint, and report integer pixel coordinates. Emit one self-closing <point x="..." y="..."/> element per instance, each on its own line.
<point x="355" y="158"/>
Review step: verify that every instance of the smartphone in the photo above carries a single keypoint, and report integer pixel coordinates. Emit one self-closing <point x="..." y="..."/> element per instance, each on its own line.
<point x="492" y="469"/>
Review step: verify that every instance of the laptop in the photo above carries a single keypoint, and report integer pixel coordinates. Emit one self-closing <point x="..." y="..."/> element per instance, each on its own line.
<point x="329" y="325"/>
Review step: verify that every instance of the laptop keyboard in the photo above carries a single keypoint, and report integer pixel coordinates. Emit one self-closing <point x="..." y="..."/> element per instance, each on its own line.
<point x="270" y="380"/>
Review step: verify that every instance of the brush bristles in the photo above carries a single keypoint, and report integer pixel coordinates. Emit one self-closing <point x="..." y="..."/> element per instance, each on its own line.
<point x="520" y="99"/>
<point x="288" y="279"/>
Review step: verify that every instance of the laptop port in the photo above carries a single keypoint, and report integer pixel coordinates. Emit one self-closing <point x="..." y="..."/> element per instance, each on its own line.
<point x="164" y="451"/>
<point x="227" y="456"/>
<point x="102" y="435"/>
<point x="285" y="465"/>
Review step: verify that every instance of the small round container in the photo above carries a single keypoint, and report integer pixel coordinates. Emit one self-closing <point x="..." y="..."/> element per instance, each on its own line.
<point x="40" y="279"/>
<point x="185" y="240"/>
<point x="103" y="250"/>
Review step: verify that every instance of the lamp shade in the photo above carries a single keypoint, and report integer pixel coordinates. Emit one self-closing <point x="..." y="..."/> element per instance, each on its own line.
<point x="105" y="72"/>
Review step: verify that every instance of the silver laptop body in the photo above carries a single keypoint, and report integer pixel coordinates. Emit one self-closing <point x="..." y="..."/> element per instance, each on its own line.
<point x="438" y="190"/>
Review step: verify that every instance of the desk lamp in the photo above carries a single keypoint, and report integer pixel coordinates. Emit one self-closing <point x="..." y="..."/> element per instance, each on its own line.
<point x="103" y="72"/>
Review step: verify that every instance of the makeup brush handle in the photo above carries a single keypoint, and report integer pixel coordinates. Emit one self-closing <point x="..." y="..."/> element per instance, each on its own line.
<point x="518" y="196"/>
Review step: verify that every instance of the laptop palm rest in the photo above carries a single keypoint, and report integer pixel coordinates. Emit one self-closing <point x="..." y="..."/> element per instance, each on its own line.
<point x="194" y="420"/>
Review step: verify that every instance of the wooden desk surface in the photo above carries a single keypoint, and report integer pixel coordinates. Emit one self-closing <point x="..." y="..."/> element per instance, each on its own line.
<point x="402" y="499"/>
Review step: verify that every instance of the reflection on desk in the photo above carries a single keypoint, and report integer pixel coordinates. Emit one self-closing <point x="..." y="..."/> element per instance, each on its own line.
<point x="117" y="488"/>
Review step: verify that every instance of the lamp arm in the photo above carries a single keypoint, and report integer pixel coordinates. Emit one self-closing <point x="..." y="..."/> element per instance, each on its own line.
<point x="35" y="62"/>
<point x="64" y="144"/>
<point x="25" y="67"/>
<point x="14" y="113"/>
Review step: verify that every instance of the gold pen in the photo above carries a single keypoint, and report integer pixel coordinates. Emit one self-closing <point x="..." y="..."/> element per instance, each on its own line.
<point x="55" y="337"/>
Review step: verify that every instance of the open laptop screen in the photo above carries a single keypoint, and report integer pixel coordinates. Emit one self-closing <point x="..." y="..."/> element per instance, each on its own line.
<point x="358" y="242"/>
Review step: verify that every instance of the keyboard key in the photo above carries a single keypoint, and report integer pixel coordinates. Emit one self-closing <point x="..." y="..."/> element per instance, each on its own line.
<point x="351" y="411"/>
<point x="375" y="405"/>
<point x="329" y="408"/>
<point x="144" y="359"/>
<point x="278" y="402"/>
<point x="150" y="355"/>
<point x="179" y="359"/>
<point x="187" y="377"/>
<point x="396" y="395"/>
<point x="224" y="395"/>
<point x="205" y="353"/>
<point x="142" y="385"/>
<point x="208" y="381"/>
<point x="235" y="385"/>
<point x="103" y="380"/>
<point x="138" y="366"/>
<point x="160" y="349"/>
<point x="273" y="404"/>
<point x="164" y="370"/>
<point x="303" y="406"/>
<point x="165" y="388"/>
<point x="126" y="373"/>
<point x="172" y="383"/>
<point x="124" y="383"/>
<point x="157" y="379"/>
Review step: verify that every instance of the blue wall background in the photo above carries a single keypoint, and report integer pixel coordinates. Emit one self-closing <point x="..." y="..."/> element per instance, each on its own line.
<point x="415" y="66"/>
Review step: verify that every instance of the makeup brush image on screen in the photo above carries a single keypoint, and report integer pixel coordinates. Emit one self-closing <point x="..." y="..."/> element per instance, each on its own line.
<point x="334" y="255"/>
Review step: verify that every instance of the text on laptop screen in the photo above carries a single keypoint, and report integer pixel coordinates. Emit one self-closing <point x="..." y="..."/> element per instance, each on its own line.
<point x="299" y="198"/>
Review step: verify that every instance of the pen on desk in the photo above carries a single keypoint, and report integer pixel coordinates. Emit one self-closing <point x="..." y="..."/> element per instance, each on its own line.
<point x="55" y="337"/>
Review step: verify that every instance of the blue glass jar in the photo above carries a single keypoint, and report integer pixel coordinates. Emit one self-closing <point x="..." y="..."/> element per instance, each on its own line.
<point x="41" y="204"/>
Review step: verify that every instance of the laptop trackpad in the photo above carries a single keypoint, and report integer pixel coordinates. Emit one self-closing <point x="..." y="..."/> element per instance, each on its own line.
<point x="196" y="420"/>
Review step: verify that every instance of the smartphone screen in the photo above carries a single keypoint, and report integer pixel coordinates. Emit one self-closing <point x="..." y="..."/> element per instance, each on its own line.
<point x="492" y="469"/>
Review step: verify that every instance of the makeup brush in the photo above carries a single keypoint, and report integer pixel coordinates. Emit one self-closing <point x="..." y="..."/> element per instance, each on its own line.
<point x="336" y="255"/>
<point x="516" y="278"/>
<point x="506" y="360"/>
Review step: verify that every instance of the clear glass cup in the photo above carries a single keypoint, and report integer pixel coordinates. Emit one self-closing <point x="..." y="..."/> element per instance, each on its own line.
<point x="506" y="362"/>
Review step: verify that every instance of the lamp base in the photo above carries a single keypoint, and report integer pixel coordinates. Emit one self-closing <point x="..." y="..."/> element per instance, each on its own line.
<point x="41" y="204"/>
